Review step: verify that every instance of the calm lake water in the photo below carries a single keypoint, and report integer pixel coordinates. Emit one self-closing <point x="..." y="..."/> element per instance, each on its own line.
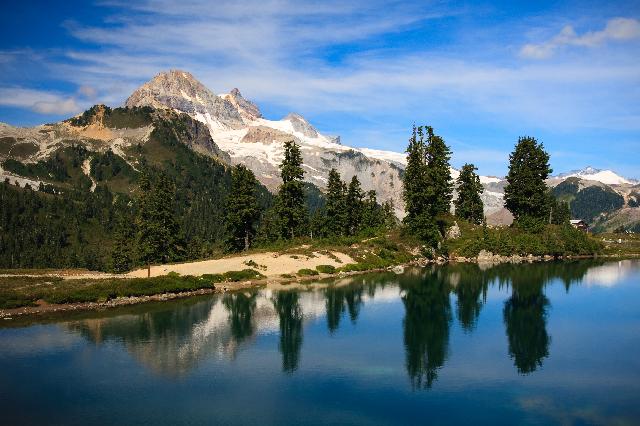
<point x="546" y="343"/>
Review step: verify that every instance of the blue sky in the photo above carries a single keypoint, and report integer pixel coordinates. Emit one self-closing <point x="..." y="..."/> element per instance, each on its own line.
<point x="481" y="73"/>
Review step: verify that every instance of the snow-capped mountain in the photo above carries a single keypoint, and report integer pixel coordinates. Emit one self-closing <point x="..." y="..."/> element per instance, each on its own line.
<point x="239" y="129"/>
<point x="607" y="177"/>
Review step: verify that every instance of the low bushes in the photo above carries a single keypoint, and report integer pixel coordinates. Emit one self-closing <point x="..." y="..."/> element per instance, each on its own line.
<point x="307" y="272"/>
<point x="326" y="269"/>
<point x="551" y="240"/>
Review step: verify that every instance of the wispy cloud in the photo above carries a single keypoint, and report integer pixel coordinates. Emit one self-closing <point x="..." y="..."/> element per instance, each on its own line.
<point x="617" y="29"/>
<point x="39" y="101"/>
<point x="380" y="64"/>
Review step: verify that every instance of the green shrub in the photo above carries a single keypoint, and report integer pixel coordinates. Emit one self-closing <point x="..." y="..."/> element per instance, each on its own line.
<point x="307" y="272"/>
<point x="326" y="269"/>
<point x="245" y="274"/>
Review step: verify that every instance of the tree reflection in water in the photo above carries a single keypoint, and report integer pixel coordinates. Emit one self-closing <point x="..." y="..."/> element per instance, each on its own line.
<point x="471" y="284"/>
<point x="287" y="305"/>
<point x="337" y="298"/>
<point x="525" y="318"/>
<point x="241" y="307"/>
<point x="426" y="326"/>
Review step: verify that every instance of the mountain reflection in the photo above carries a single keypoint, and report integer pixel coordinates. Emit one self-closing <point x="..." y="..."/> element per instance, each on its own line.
<point x="174" y="338"/>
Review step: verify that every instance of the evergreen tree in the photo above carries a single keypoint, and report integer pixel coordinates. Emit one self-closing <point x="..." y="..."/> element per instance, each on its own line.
<point x="468" y="204"/>
<point x="415" y="178"/>
<point x="560" y="213"/>
<point x="354" y="207"/>
<point x="418" y="193"/>
<point x="157" y="229"/>
<point x="336" y="209"/>
<point x="526" y="192"/>
<point x="371" y="211"/>
<point x="243" y="209"/>
<point x="439" y="180"/>
<point x="122" y="254"/>
<point x="291" y="206"/>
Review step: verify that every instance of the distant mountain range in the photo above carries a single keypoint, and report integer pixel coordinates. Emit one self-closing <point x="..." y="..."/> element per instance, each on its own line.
<point x="238" y="133"/>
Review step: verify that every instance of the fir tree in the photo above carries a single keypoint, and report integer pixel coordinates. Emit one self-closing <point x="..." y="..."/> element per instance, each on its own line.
<point x="439" y="180"/>
<point x="157" y="229"/>
<point x="243" y="209"/>
<point x="560" y="212"/>
<point x="354" y="207"/>
<point x="291" y="207"/>
<point x="469" y="204"/>
<point x="415" y="179"/>
<point x="526" y="192"/>
<point x="371" y="211"/>
<point x="122" y="254"/>
<point x="335" y="210"/>
<point x="418" y="192"/>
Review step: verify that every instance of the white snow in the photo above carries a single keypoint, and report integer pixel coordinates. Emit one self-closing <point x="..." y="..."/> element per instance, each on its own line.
<point x="489" y="179"/>
<point x="86" y="169"/>
<point x="608" y="177"/>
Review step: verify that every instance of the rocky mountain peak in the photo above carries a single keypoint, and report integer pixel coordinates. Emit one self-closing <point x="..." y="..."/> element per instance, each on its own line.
<point x="301" y="125"/>
<point x="179" y="90"/>
<point x="247" y="109"/>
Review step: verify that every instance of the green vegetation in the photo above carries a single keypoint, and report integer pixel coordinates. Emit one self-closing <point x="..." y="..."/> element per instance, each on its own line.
<point x="117" y="118"/>
<point x="469" y="204"/>
<point x="243" y="210"/>
<point x="290" y="207"/>
<point x="427" y="185"/>
<point x="305" y="272"/>
<point x="526" y="192"/>
<point x="590" y="202"/>
<point x="26" y="291"/>
<point x="326" y="269"/>
<point x="554" y="240"/>
<point x="348" y="213"/>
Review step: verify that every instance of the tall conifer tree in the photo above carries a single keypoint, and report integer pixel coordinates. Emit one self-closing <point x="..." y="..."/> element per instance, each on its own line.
<point x="439" y="179"/>
<point x="291" y="207"/>
<point x="335" y="210"/>
<point x="157" y="229"/>
<point x="354" y="206"/>
<point x="526" y="192"/>
<point x="243" y="209"/>
<point x="469" y="204"/>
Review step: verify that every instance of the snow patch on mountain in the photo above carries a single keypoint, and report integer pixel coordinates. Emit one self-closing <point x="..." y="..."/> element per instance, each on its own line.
<point x="608" y="177"/>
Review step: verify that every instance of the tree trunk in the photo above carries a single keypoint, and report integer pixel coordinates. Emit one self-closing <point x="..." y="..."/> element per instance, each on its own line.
<point x="148" y="270"/>
<point x="246" y="240"/>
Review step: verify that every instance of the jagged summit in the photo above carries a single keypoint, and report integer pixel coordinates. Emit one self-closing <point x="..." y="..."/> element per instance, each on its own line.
<point x="180" y="90"/>
<point x="247" y="109"/>
<point x="301" y="125"/>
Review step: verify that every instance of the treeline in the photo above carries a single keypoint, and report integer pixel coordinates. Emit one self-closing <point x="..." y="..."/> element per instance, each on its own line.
<point x="541" y="222"/>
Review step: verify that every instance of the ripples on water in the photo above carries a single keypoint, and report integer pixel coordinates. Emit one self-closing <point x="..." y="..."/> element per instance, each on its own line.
<point x="541" y="343"/>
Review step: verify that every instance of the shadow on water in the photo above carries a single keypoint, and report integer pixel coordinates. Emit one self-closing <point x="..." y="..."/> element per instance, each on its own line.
<point x="172" y="339"/>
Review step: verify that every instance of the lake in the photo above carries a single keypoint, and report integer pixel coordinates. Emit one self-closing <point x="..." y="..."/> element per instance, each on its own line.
<point x="551" y="343"/>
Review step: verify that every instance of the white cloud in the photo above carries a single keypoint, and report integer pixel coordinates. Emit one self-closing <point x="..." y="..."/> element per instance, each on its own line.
<point x="619" y="29"/>
<point x="38" y="101"/>
<point x="87" y="92"/>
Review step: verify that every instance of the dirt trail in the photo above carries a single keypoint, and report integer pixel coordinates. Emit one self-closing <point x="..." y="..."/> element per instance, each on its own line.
<point x="270" y="264"/>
